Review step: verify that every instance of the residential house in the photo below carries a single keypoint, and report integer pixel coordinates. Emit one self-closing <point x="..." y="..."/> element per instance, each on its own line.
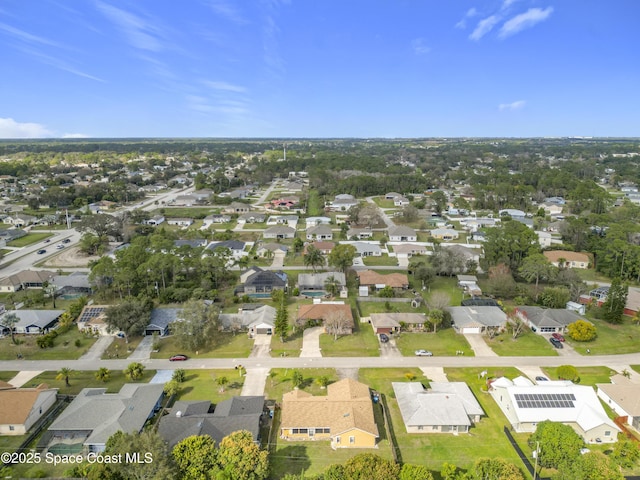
<point x="545" y="239"/>
<point x="288" y="220"/>
<point x="400" y="201"/>
<point x="203" y="195"/>
<point x="249" y="272"/>
<point x="279" y="232"/>
<point x="469" y="283"/>
<point x="237" y="207"/>
<point x="20" y="220"/>
<point x="477" y="319"/>
<point x="402" y="233"/>
<point x="194" y="243"/>
<point x="526" y="405"/>
<point x="94" y="415"/>
<point x="446" y="407"/>
<point x="235" y="248"/>
<point x="33" y="321"/>
<point x="252" y="217"/>
<point x="214" y="218"/>
<point x="74" y="285"/>
<point x="155" y="220"/>
<point x="566" y="259"/>
<point x="547" y="320"/>
<point x="285" y="203"/>
<point x="320" y="232"/>
<point x="344" y="416"/>
<point x="513" y="213"/>
<point x="623" y="397"/>
<point x="367" y="249"/>
<point x="342" y="203"/>
<point x="269" y="249"/>
<point x="180" y="222"/>
<point x="324" y="247"/>
<point x="315" y="221"/>
<point x="445" y="234"/>
<point x="316" y="313"/>
<point x="409" y="249"/>
<point x="93" y="319"/>
<point x="161" y="319"/>
<point x="392" y="195"/>
<point x="254" y="318"/>
<point x="185" y="201"/>
<point x="386" y="323"/>
<point x="359" y="233"/>
<point x="376" y="281"/>
<point x="263" y="282"/>
<point x="188" y="418"/>
<point x="552" y="209"/>
<point x="467" y="254"/>
<point x="25" y="279"/>
<point x="23" y="407"/>
<point x="317" y="281"/>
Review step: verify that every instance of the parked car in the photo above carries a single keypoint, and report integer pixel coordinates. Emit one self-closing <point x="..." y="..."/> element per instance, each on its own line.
<point x="558" y="337"/>
<point x="42" y="251"/>
<point x="556" y="343"/>
<point x="423" y="353"/>
<point x="540" y="378"/>
<point x="178" y="358"/>
<point x="384" y="338"/>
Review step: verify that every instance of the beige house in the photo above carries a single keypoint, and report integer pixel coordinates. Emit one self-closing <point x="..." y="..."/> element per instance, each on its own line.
<point x="568" y="259"/>
<point x="623" y="397"/>
<point x="22" y="407"/>
<point x="344" y="416"/>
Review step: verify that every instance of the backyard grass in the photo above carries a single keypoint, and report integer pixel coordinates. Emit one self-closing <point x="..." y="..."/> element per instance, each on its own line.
<point x="383" y="260"/>
<point x="184" y="212"/>
<point x="28" y="239"/>
<point x="86" y="379"/>
<point x="64" y="347"/>
<point x="119" y="348"/>
<point x="611" y="339"/>
<point x="445" y="342"/>
<point x="527" y="344"/>
<point x="588" y="375"/>
<point x="280" y="382"/>
<point x="228" y="346"/>
<point x="201" y="385"/>
<point x="361" y="343"/>
<point x="367" y="308"/>
<point x="10" y="443"/>
<point x="448" y="285"/>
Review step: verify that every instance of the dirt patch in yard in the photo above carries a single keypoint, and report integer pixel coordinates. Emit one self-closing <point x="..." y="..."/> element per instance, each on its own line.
<point x="70" y="257"/>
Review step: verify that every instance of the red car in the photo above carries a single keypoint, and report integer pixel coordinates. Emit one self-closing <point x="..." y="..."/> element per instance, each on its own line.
<point x="178" y="358"/>
<point x="558" y="337"/>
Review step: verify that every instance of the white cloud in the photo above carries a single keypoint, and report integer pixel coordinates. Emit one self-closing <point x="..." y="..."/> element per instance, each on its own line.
<point x="419" y="47"/>
<point x="75" y="135"/>
<point x="517" y="105"/>
<point x="9" y="128"/>
<point x="472" y="12"/>
<point x="227" y="10"/>
<point x="484" y="26"/>
<point x="139" y="32"/>
<point x="26" y="37"/>
<point x="525" y="20"/>
<point x="58" y="63"/>
<point x="225" y="86"/>
<point x="507" y="3"/>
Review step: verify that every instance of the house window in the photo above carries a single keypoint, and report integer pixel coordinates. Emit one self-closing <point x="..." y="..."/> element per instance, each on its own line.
<point x="12" y="428"/>
<point x="420" y="427"/>
<point x="607" y="433"/>
<point x="312" y="432"/>
<point x="337" y="439"/>
<point x="352" y="440"/>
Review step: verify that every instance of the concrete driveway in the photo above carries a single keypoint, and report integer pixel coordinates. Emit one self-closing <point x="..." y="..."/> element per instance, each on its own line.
<point x="255" y="381"/>
<point x="261" y="346"/>
<point x="479" y="346"/>
<point x="143" y="350"/>
<point x="311" y="342"/>
<point x="278" y="259"/>
<point x="98" y="348"/>
<point x="389" y="349"/>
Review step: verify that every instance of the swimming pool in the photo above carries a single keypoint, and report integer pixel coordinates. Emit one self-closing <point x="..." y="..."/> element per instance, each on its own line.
<point x="314" y="293"/>
<point x="259" y="295"/>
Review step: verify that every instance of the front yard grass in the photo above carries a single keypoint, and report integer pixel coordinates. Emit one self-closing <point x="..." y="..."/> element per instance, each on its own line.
<point x="119" y="348"/>
<point x="289" y="348"/>
<point x="527" y="344"/>
<point x="228" y="346"/>
<point x="611" y="339"/>
<point x="361" y="343"/>
<point x="87" y="379"/>
<point x="64" y="347"/>
<point x="445" y="342"/>
<point x="279" y="381"/>
<point x="588" y="375"/>
<point x="6" y="376"/>
<point x="383" y="260"/>
<point x="201" y="385"/>
<point x="29" y="239"/>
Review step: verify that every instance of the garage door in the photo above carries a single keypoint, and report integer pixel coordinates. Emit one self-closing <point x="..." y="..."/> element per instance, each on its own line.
<point x="471" y="330"/>
<point x="264" y="331"/>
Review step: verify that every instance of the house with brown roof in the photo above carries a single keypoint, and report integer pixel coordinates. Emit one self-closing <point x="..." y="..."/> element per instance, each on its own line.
<point x="324" y="247"/>
<point x="22" y="407"/>
<point x="376" y="281"/>
<point x="25" y="279"/>
<point x="344" y="416"/>
<point x="568" y="259"/>
<point x="316" y="313"/>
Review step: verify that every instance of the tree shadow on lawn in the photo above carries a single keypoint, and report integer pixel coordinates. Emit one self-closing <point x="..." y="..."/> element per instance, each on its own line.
<point x="293" y="459"/>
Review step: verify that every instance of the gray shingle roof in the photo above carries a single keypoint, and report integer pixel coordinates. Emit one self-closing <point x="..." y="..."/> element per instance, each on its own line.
<point x="162" y="317"/>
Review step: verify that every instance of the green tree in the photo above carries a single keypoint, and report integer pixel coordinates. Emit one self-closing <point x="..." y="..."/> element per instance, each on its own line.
<point x="103" y="374"/>
<point x="436" y="317"/>
<point x="156" y="461"/>
<point x="414" y="472"/>
<point x="196" y="458"/>
<point x="387" y="292"/>
<point x="582" y="331"/>
<point x="332" y="285"/>
<point x="536" y="267"/>
<point x="496" y="469"/>
<point x="554" y="297"/>
<point x="298" y="245"/>
<point x="367" y="466"/>
<point x="9" y="320"/>
<point x="134" y="371"/>
<point x="625" y="453"/>
<point x="197" y="325"/>
<point x="171" y="388"/>
<point x="323" y="381"/>
<point x="221" y="382"/>
<point x="558" y="444"/>
<point x="613" y="306"/>
<point x="567" y="372"/>
<point x="281" y="326"/>
<point x="92" y="244"/>
<point x="590" y="466"/>
<point x="297" y="379"/>
<point x="64" y="374"/>
<point x="130" y="316"/>
<point x="179" y="375"/>
<point x="342" y="256"/>
<point x="439" y="199"/>
<point x="241" y="458"/>
<point x="510" y="243"/>
<point x="314" y="258"/>
<point x="448" y="471"/>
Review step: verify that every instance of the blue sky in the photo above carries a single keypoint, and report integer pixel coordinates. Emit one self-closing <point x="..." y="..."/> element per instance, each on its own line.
<point x="319" y="68"/>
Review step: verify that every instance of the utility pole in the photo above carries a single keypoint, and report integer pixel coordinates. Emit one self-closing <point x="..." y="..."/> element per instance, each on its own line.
<point x="535" y="469"/>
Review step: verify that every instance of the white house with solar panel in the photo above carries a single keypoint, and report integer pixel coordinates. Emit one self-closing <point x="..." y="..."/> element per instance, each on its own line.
<point x="525" y="405"/>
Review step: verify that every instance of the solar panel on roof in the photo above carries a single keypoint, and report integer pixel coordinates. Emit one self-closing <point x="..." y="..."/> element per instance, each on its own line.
<point x="544" y="400"/>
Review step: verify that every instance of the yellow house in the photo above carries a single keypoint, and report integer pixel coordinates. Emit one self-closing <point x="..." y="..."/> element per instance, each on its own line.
<point x="344" y="416"/>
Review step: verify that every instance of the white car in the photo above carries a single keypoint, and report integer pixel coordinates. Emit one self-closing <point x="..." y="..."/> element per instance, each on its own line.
<point x="423" y="353"/>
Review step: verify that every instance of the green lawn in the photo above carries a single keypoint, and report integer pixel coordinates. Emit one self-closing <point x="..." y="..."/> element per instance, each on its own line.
<point x="228" y="346"/>
<point x="184" y="212"/>
<point x="611" y="340"/>
<point x="383" y="260"/>
<point x="10" y="443"/>
<point x="361" y="343"/>
<point x="87" y="379"/>
<point x="445" y="342"/>
<point x="527" y="344"/>
<point x="448" y="285"/>
<point x="28" y="239"/>
<point x="367" y="308"/>
<point x="119" y="348"/>
<point x="64" y="347"/>
<point x="201" y="385"/>
<point x="6" y="376"/>
<point x="588" y="375"/>
<point x="290" y="348"/>
<point x="280" y="383"/>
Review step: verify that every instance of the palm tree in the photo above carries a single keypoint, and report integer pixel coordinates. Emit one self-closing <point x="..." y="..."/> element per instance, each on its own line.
<point x="65" y="373"/>
<point x="314" y="258"/>
<point x="134" y="371"/>
<point x="103" y="374"/>
<point x="332" y="285"/>
<point x="222" y="381"/>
